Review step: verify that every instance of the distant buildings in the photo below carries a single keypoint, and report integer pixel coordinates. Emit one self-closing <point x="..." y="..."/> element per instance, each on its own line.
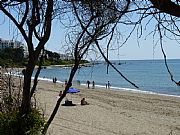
<point x="66" y="57"/>
<point x="16" y="44"/>
<point x="10" y="44"/>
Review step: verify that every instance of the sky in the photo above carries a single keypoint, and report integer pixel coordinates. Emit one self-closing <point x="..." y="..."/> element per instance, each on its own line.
<point x="130" y="51"/>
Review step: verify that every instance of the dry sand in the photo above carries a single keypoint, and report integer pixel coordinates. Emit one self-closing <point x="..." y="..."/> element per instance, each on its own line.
<point x="110" y="112"/>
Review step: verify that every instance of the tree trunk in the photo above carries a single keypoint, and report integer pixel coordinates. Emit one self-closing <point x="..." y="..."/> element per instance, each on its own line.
<point x="26" y="101"/>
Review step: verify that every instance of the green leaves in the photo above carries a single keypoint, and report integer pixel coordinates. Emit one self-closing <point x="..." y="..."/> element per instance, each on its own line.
<point x="11" y="56"/>
<point x="32" y="123"/>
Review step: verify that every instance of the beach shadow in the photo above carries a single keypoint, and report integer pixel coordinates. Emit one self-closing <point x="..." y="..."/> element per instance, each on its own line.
<point x="68" y="103"/>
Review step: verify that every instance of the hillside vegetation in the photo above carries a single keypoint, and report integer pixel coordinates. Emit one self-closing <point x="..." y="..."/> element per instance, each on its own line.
<point x="14" y="57"/>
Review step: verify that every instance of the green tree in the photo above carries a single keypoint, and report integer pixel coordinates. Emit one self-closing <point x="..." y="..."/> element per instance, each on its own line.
<point x="15" y="55"/>
<point x="52" y="55"/>
<point x="33" y="22"/>
<point x="18" y="55"/>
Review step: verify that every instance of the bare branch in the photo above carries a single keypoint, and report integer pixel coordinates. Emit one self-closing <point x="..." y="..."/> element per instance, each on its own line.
<point x="165" y="60"/>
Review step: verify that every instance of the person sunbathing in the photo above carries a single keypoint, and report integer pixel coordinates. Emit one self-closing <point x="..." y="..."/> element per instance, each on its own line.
<point x="84" y="102"/>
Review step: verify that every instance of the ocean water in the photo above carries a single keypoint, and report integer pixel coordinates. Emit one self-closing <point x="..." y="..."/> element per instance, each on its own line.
<point x="149" y="75"/>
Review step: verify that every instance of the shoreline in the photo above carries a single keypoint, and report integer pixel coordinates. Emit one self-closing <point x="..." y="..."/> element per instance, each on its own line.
<point x="100" y="86"/>
<point x="110" y="112"/>
<point x="115" y="88"/>
<point x="70" y="65"/>
<point x="169" y="89"/>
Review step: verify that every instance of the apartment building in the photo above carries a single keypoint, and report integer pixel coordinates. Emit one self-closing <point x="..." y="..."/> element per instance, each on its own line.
<point x="9" y="44"/>
<point x="66" y="56"/>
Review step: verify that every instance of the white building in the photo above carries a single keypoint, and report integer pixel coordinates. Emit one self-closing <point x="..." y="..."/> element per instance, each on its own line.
<point x="65" y="57"/>
<point x="10" y="44"/>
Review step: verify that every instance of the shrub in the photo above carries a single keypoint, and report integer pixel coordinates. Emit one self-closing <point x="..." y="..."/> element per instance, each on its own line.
<point x="12" y="124"/>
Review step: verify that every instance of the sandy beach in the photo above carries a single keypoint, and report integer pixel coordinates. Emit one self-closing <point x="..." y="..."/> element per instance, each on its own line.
<point x="110" y="112"/>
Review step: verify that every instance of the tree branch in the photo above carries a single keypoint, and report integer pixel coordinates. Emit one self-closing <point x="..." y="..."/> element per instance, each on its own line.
<point x="15" y="22"/>
<point x="167" y="6"/>
<point x="165" y="60"/>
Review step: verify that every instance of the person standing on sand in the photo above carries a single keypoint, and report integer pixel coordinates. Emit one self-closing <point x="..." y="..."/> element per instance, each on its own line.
<point x="88" y="83"/>
<point x="93" y="84"/>
<point x="108" y="85"/>
<point x="55" y="80"/>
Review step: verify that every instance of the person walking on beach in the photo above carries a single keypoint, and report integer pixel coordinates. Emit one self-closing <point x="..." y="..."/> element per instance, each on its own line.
<point x="88" y="83"/>
<point x="93" y="84"/>
<point x="108" y="85"/>
<point x="55" y="80"/>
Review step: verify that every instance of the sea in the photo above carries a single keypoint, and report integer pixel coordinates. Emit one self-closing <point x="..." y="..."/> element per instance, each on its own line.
<point x="151" y="76"/>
